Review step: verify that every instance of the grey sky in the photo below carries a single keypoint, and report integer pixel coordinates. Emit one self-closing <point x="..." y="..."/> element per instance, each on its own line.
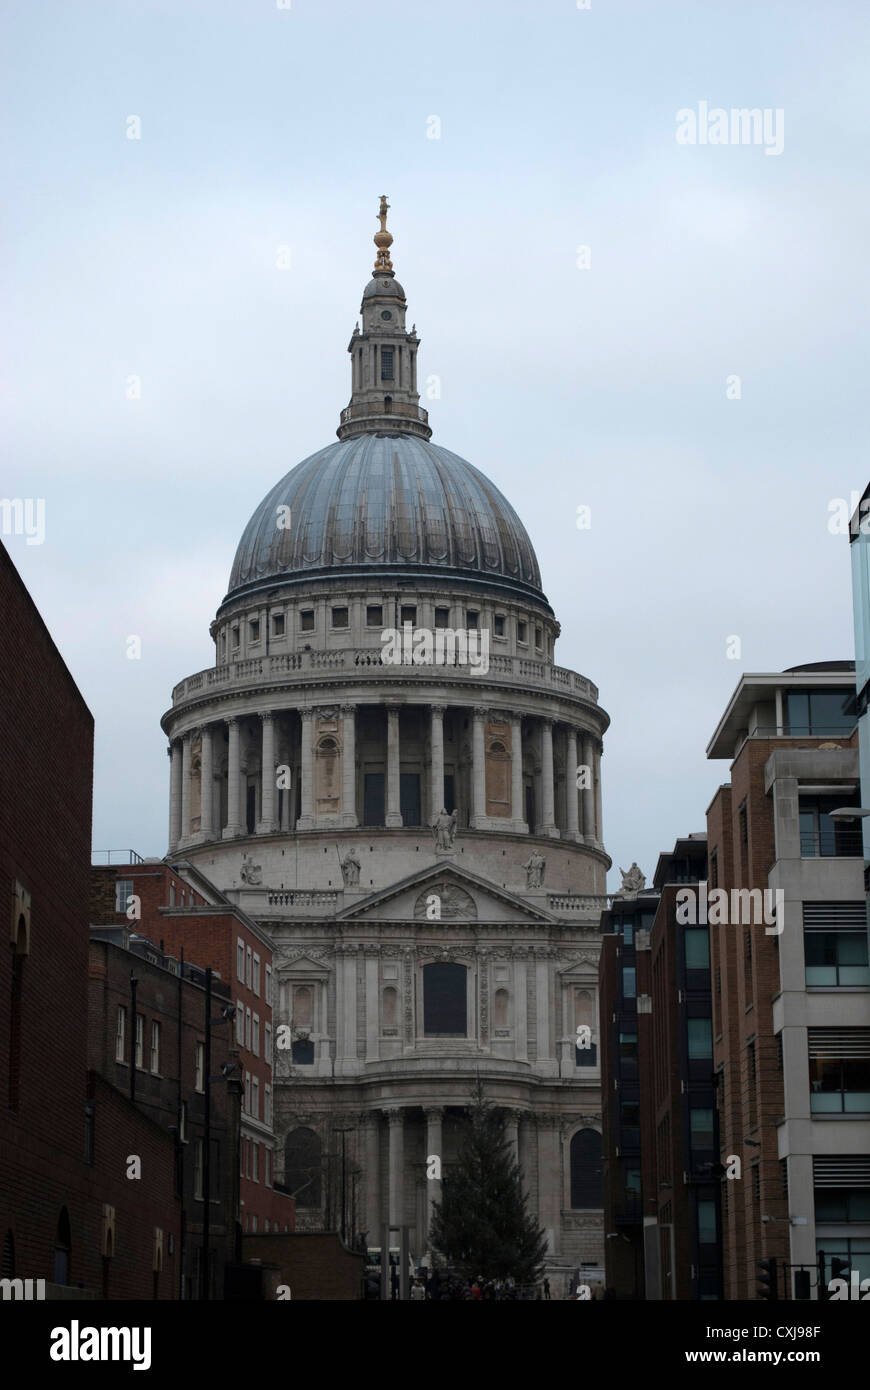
<point x="606" y="387"/>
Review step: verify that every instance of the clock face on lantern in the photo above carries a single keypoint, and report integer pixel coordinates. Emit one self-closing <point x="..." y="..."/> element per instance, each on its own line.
<point x="386" y="314"/>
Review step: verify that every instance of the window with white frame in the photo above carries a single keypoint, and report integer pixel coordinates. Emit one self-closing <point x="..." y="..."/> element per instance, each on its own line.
<point x="267" y="1045"/>
<point x="240" y="1023"/>
<point x="248" y="967"/>
<point x="255" y="1097"/>
<point x="140" y="1039"/>
<point x="255" y="1035"/>
<point x="268" y="984"/>
<point x="247" y="1027"/>
<point x="155" y="1048"/>
<point x="123" y="891"/>
<point x="199" y="1081"/>
<point x="267" y="1169"/>
<point x="267" y="1104"/>
<point x="248" y="1092"/>
<point x="121" y="1035"/>
<point x="256" y="981"/>
<point x="256" y="1172"/>
<point x="197" y="1170"/>
<point x="240" y="959"/>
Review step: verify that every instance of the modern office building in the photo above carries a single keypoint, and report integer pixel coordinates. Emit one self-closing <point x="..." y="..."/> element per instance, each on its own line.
<point x="791" y="1006"/>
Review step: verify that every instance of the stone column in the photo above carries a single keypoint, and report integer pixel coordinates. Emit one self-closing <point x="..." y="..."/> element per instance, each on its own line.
<point x="521" y="1022"/>
<point x="478" y="772"/>
<point x="233" y="826"/>
<point x="346" y="1011"/>
<point x="549" y="1179"/>
<point x="373" y="1176"/>
<point x="373" y="1019"/>
<point x="306" y="818"/>
<point x="542" y="1010"/>
<point x="434" y="1147"/>
<point x="548" y="823"/>
<point x="512" y="1132"/>
<point x="348" y="765"/>
<point x="267" y="775"/>
<point x="599" y="832"/>
<point x="174" y="751"/>
<point x="436" y="791"/>
<point x="394" y="814"/>
<point x="588" y="793"/>
<point x="396" y="1205"/>
<point x="518" y="810"/>
<point x="572" y="831"/>
<point x="206" y="785"/>
<point x="185" y="786"/>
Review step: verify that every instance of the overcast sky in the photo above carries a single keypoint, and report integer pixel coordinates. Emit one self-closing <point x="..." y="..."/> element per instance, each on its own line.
<point x="606" y="386"/>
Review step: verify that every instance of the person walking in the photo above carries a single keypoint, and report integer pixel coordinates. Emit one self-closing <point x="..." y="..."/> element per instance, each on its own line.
<point x="546" y="1289"/>
<point x="417" y="1291"/>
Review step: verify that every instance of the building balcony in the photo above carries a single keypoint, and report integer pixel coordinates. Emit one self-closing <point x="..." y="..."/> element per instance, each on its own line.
<point x="365" y="664"/>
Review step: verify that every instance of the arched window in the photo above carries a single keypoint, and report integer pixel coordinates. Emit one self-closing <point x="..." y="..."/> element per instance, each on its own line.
<point x="586" y="1185"/>
<point x="302" y="1165"/>
<point x="497" y="747"/>
<point x="62" y="1248"/>
<point x="445" y="987"/>
<point x="584" y="1016"/>
<point x="390" y="1008"/>
<point x="500" y="1008"/>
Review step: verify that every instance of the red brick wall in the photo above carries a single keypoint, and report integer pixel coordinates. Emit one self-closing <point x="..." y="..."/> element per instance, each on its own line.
<point x="314" y="1266"/>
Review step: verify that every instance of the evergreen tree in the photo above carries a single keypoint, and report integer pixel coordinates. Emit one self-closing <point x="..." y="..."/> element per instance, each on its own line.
<point x="482" y="1226"/>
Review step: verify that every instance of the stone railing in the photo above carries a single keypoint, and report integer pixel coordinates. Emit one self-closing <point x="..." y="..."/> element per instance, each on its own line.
<point x="579" y="904"/>
<point x="361" y="663"/>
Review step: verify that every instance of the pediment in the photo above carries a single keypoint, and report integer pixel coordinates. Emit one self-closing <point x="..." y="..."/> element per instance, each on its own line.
<point x="445" y="893"/>
<point x="301" y="963"/>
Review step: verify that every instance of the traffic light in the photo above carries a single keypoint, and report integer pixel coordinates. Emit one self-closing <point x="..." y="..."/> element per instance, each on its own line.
<point x="767" y="1279"/>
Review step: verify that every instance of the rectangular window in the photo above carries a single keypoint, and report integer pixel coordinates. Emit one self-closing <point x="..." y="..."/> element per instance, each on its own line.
<point x="697" y="947"/>
<point x="240" y="1023"/>
<point x="121" y="1035"/>
<point x="700" y="1031"/>
<point x="306" y="620"/>
<point x="538" y="637"/>
<point x="248" y="966"/>
<point x="701" y="1128"/>
<point x="199" y="1080"/>
<point x="522" y="629"/>
<point x="822" y="837"/>
<point x="628" y="1045"/>
<point x="629" y="982"/>
<point x="240" y="959"/>
<point x="267" y="1104"/>
<point x="706" y="1222"/>
<point x="408" y="613"/>
<point x="714" y="869"/>
<point x="247" y="1028"/>
<point x="254" y="628"/>
<point x="140" y="1040"/>
<point x="197" y="1169"/>
<point x="255" y="1097"/>
<point x="839" y="1062"/>
<point x="256" y="1156"/>
<point x="277" y="624"/>
<point x="155" y="1049"/>
<point x="248" y="1092"/>
<point x="442" y="617"/>
<point x="123" y="891"/>
<point x="374" y="615"/>
<point x="386" y="364"/>
<point x="835" y="945"/>
<point x="267" y="1170"/>
<point x="268" y="984"/>
<point x="472" y="618"/>
<point x="256" y="984"/>
<point x="254" y="1224"/>
<point x="255" y="1035"/>
<point x="340" y="617"/>
<point x="498" y="625"/>
<point x="234" y="634"/>
<point x="267" y="1044"/>
<point x="819" y="712"/>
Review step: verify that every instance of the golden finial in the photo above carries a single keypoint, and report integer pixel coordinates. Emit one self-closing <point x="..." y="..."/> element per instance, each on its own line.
<point x="383" y="240"/>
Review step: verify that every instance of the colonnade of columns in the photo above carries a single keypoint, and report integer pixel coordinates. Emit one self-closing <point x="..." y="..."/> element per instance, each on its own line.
<point x="583" y="755"/>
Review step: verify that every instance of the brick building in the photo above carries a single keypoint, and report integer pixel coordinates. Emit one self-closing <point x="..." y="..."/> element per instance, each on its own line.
<point x="147" y="1042"/>
<point x="790" y="1013"/>
<point x="180" y="910"/>
<point x="68" y="1213"/>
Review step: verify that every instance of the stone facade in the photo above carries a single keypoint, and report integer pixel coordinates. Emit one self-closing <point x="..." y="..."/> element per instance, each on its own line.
<point x="382" y="819"/>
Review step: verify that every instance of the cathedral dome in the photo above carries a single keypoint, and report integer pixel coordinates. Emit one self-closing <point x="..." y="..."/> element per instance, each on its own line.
<point x="385" y="502"/>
